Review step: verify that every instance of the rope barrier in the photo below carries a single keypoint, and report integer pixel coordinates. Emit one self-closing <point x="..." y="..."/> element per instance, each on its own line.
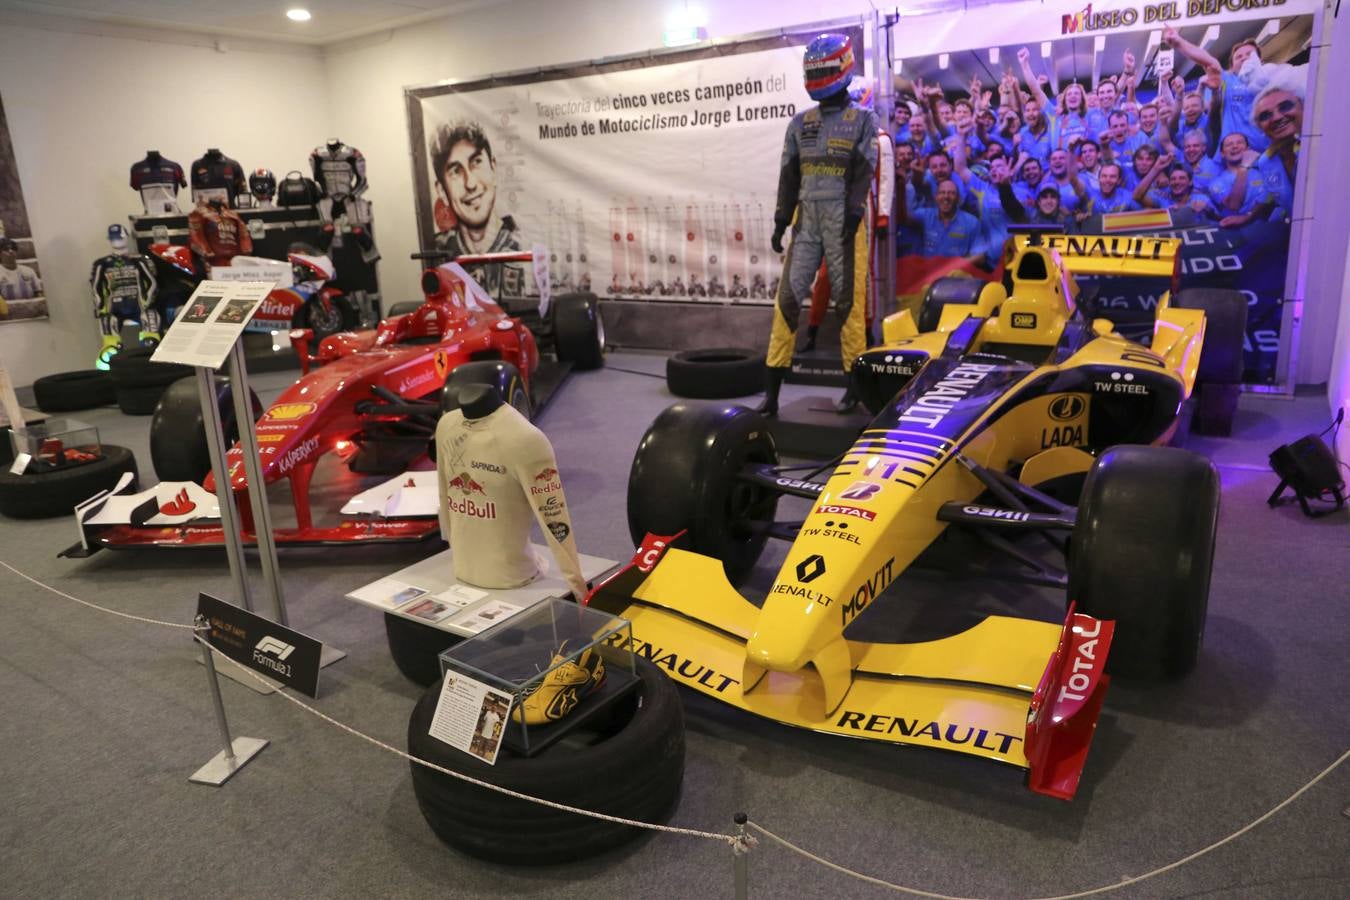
<point x="111" y="612"/>
<point x="741" y="844"/>
<point x="669" y="829"/>
<point x="1087" y="893"/>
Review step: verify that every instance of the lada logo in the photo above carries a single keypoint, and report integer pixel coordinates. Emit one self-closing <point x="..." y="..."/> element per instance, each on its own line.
<point x="1066" y="407"/>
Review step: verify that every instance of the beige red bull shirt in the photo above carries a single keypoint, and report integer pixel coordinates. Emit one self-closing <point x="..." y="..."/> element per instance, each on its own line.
<point x="497" y="476"/>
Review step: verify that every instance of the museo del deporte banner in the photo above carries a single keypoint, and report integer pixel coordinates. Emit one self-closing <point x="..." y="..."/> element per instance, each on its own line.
<point x="650" y="178"/>
<point x="1169" y="126"/>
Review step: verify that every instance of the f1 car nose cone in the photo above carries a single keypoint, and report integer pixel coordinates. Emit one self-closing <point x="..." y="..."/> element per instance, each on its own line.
<point x="778" y="652"/>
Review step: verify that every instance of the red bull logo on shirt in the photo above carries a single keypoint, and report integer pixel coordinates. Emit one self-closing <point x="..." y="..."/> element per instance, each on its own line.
<point x="464" y="483"/>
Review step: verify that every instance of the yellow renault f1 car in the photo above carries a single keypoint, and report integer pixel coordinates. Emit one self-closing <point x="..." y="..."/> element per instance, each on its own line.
<point x="1017" y="390"/>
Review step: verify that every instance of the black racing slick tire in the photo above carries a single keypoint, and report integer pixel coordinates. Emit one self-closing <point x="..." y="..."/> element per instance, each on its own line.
<point x="416" y="648"/>
<point x="178" y="446"/>
<point x="55" y="493"/>
<point x="139" y="382"/>
<point x="948" y="289"/>
<point x="1142" y="554"/>
<point x="503" y="376"/>
<point x="628" y="764"/>
<point x="70" y="391"/>
<point x="684" y="478"/>
<point x="1221" y="358"/>
<point x="715" y="374"/>
<point x="579" y="330"/>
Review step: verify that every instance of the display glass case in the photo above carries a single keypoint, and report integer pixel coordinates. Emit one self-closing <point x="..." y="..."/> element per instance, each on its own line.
<point x="563" y="663"/>
<point x="56" y="443"/>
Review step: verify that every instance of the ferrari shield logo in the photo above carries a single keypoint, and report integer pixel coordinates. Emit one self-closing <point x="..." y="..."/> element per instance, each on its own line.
<point x="442" y="363"/>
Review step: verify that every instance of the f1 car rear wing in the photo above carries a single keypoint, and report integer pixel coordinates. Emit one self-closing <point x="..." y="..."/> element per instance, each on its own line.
<point x="1105" y="254"/>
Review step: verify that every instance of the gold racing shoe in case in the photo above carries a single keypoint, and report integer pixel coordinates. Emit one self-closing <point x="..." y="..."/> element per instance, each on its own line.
<point x="566" y="684"/>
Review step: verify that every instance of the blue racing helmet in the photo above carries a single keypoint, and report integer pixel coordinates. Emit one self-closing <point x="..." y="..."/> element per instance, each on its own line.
<point x="828" y="65"/>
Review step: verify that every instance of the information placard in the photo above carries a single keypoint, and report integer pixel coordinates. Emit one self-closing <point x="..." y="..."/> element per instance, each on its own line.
<point x="282" y="654"/>
<point x="471" y="716"/>
<point x="211" y="321"/>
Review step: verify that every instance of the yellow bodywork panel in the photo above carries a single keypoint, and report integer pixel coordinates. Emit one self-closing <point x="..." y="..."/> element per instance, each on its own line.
<point x="968" y="692"/>
<point x="898" y="326"/>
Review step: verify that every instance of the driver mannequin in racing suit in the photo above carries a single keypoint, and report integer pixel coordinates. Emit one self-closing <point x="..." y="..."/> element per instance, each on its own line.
<point x="124" y="291"/>
<point x="829" y="155"/>
<point x="340" y="171"/>
<point x="875" y="226"/>
<point x="497" y="475"/>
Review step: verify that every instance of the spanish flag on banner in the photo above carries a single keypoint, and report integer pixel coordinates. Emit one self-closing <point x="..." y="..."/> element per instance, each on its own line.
<point x="1139" y="220"/>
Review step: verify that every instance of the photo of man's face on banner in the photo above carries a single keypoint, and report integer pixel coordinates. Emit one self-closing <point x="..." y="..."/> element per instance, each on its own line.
<point x="1191" y="132"/>
<point x="21" y="292"/>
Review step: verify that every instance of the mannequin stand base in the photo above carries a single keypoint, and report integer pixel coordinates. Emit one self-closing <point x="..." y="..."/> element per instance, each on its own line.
<point x="221" y="768"/>
<point x="810" y="427"/>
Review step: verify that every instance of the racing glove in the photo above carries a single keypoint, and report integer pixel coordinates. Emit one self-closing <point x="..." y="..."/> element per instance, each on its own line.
<point x="851" y="224"/>
<point x="776" y="242"/>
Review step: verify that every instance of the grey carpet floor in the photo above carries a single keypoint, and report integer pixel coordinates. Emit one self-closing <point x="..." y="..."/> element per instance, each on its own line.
<point x="102" y="720"/>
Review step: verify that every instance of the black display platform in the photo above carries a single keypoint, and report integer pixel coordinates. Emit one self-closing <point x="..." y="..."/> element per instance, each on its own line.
<point x="810" y="427"/>
<point x="821" y="366"/>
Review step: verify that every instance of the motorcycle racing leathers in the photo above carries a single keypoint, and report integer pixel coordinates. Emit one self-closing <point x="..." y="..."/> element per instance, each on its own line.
<point x="124" y="291"/>
<point x="217" y="234"/>
<point x="829" y="155"/>
<point x="340" y="171"/>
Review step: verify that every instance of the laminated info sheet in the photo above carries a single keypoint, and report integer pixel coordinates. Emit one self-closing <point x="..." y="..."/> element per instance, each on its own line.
<point x="471" y="716"/>
<point x="211" y="322"/>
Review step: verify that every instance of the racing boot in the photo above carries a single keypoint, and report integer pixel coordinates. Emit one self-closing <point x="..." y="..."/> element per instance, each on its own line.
<point x="810" y="343"/>
<point x="562" y="689"/>
<point x="773" y="381"/>
<point x="149" y="338"/>
<point x="110" y="347"/>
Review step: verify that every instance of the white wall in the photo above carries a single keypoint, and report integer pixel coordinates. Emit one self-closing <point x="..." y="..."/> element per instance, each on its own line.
<point x="367" y="78"/>
<point x="83" y="107"/>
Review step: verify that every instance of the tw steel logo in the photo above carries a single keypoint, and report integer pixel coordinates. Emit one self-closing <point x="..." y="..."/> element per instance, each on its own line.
<point x="1066" y="407"/>
<point x="811" y="568"/>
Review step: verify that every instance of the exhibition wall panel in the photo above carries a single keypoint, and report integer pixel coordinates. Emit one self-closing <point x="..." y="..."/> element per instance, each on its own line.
<point x="367" y="79"/>
<point x="82" y="107"/>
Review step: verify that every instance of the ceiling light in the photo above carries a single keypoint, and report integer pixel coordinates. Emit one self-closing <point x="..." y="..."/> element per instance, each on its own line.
<point x="298" y="15"/>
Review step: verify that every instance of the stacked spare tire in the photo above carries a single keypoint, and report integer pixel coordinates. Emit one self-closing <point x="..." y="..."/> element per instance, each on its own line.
<point x="139" y="383"/>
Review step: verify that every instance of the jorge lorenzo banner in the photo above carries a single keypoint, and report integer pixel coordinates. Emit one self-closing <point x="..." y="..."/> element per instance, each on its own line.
<point x="647" y="178"/>
<point x="1174" y="118"/>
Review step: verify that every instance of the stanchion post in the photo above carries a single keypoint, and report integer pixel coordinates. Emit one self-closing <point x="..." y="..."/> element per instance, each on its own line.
<point x="238" y="751"/>
<point x="216" y="448"/>
<point x="741" y="858"/>
<point x="257" y="488"/>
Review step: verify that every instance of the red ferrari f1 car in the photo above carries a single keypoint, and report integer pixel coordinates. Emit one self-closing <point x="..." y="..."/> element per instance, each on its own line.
<point x="373" y="397"/>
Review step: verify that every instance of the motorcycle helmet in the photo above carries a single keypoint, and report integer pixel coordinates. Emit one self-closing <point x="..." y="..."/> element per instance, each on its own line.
<point x="262" y="184"/>
<point x="828" y="65"/>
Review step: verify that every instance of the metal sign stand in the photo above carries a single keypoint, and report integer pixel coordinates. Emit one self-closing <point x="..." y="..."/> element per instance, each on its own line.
<point x="257" y="496"/>
<point x="238" y="751"/>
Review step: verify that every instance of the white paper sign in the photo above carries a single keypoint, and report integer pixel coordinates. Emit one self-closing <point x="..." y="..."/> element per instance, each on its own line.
<point x="471" y="716"/>
<point x="211" y="322"/>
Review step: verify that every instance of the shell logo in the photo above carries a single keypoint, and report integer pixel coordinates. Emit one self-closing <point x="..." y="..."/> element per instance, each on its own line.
<point x="289" y="411"/>
<point x="442" y="363"/>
